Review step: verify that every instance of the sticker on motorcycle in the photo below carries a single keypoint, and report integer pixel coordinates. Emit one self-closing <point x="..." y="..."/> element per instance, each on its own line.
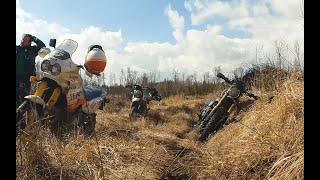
<point x="75" y="98"/>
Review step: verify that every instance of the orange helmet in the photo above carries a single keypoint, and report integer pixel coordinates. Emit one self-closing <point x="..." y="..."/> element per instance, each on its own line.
<point x="96" y="60"/>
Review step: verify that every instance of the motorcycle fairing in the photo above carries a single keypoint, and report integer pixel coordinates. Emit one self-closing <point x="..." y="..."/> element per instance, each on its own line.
<point x="75" y="97"/>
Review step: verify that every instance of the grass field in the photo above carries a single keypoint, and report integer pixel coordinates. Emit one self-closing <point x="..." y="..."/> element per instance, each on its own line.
<point x="266" y="141"/>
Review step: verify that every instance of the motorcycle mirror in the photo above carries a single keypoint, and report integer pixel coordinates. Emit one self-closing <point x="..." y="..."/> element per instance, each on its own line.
<point x="52" y="43"/>
<point x="80" y="66"/>
<point x="220" y="75"/>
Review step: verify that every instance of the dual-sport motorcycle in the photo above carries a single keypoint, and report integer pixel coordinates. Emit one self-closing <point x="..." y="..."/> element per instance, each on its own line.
<point x="141" y="96"/>
<point x="58" y="94"/>
<point x="216" y="112"/>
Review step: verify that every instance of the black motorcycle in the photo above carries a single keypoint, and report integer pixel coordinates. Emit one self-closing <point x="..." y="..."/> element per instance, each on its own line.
<point x="215" y="114"/>
<point x="141" y="96"/>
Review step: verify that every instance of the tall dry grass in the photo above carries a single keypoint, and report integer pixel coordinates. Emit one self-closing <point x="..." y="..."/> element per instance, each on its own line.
<point x="265" y="142"/>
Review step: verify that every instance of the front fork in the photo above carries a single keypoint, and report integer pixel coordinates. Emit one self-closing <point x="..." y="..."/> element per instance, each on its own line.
<point x="42" y="86"/>
<point x="54" y="96"/>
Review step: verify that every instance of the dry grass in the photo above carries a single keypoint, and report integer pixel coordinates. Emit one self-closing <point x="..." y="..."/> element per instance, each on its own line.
<point x="265" y="142"/>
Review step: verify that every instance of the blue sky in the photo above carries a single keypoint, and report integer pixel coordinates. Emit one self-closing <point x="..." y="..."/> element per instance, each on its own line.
<point x="138" y="20"/>
<point x="191" y="36"/>
<point x="143" y="20"/>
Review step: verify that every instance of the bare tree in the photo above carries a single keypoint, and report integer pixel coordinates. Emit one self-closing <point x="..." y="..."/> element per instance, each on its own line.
<point x="216" y="70"/>
<point x="183" y="74"/>
<point x="238" y="72"/>
<point x="206" y="77"/>
<point x="122" y="77"/>
<point x="103" y="79"/>
<point x="280" y="47"/>
<point x="158" y="78"/>
<point x="131" y="76"/>
<point x="152" y="77"/>
<point x="297" y="60"/>
<point x="175" y="75"/>
<point x="112" y="79"/>
<point x="144" y="80"/>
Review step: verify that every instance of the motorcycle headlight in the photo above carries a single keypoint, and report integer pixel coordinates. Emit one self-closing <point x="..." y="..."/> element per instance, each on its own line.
<point x="137" y="94"/>
<point x="45" y="66"/>
<point x="209" y="102"/>
<point x="56" y="69"/>
<point x="234" y="92"/>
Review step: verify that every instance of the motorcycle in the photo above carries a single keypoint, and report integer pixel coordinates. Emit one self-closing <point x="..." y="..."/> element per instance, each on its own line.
<point x="58" y="93"/>
<point x="21" y="87"/>
<point x="141" y="97"/>
<point x="216" y="112"/>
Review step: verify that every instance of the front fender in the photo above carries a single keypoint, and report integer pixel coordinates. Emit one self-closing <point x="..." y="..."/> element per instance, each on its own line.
<point x="135" y="99"/>
<point x="35" y="99"/>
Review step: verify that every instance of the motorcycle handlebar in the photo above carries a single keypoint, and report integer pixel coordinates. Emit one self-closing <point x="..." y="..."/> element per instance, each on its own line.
<point x="220" y="75"/>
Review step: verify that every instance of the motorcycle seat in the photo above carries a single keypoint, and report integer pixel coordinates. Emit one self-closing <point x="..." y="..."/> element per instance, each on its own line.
<point x="92" y="92"/>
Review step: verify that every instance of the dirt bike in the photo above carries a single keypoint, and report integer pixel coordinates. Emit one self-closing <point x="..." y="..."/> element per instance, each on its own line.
<point x="58" y="93"/>
<point x="216" y="112"/>
<point x="140" y="100"/>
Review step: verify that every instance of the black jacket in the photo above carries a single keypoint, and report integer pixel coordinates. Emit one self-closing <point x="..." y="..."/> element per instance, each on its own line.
<point x="25" y="57"/>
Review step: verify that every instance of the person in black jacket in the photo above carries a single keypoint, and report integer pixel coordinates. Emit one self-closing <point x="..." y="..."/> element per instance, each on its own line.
<point x="25" y="63"/>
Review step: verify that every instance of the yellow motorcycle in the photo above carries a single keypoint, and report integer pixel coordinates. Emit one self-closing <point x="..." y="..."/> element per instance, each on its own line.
<point x="58" y="95"/>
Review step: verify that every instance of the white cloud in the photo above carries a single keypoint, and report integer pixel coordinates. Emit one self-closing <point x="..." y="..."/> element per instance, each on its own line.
<point x="110" y="41"/>
<point x="264" y="27"/>
<point x="290" y="9"/>
<point x="20" y="13"/>
<point x="204" y="50"/>
<point x="177" y="22"/>
<point x="26" y="23"/>
<point x="260" y="10"/>
<point x="203" y="10"/>
<point x="175" y="19"/>
<point x="194" y="50"/>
